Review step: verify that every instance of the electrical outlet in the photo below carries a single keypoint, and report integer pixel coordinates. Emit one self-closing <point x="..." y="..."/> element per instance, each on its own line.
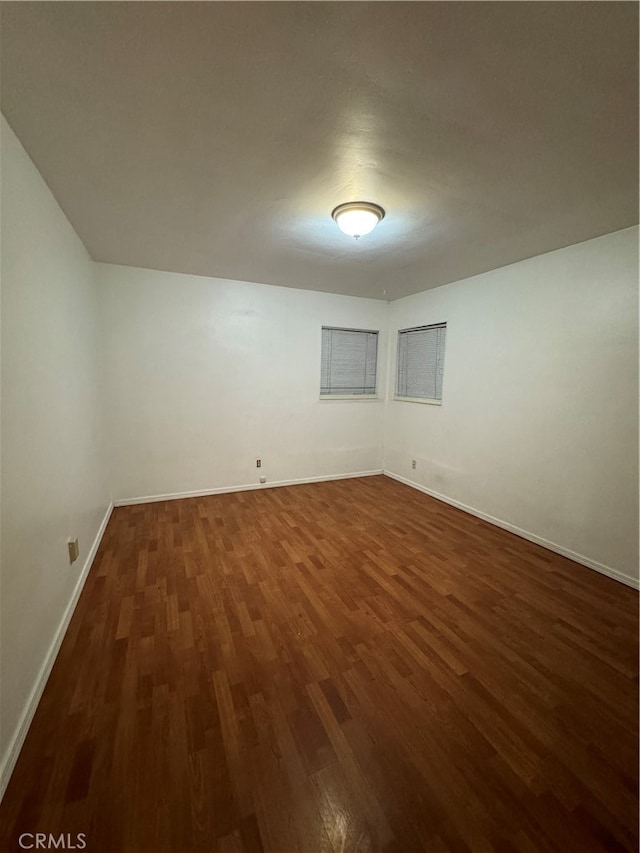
<point x="73" y="550"/>
<point x="413" y="464"/>
<point x="258" y="463"/>
<point x="263" y="479"/>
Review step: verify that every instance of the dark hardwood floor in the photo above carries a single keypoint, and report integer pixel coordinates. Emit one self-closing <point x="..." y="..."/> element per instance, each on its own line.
<point x="344" y="666"/>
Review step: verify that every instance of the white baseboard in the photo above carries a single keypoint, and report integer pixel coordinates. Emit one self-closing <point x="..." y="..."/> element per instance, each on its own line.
<point x="538" y="540"/>
<point x="200" y="493"/>
<point x="15" y="745"/>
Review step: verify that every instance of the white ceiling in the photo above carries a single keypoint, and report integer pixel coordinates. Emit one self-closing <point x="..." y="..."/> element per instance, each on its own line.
<point x="215" y="138"/>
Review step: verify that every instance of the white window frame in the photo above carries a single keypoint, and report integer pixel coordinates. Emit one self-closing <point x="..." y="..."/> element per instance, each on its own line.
<point x="439" y="355"/>
<point x="350" y="397"/>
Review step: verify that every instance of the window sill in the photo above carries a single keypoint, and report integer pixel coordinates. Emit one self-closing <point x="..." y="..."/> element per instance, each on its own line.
<point x="357" y="398"/>
<point x="422" y="400"/>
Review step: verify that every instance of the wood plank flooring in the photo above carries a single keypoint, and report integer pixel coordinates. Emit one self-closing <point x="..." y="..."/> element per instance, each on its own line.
<point x="343" y="666"/>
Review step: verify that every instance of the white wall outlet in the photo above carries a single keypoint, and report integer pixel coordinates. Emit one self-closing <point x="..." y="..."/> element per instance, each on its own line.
<point x="263" y="479"/>
<point x="413" y="464"/>
<point x="74" y="550"/>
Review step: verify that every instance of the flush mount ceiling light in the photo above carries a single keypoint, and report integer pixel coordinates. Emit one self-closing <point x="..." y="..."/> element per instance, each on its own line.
<point x="357" y="218"/>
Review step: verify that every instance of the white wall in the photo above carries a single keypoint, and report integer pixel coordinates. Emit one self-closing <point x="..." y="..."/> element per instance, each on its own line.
<point x="539" y="422"/>
<point x="538" y="430"/>
<point x="204" y="376"/>
<point x="181" y="382"/>
<point x="53" y="474"/>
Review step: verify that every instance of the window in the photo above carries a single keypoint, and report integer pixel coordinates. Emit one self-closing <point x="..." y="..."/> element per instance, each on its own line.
<point x="349" y="358"/>
<point x="421" y="363"/>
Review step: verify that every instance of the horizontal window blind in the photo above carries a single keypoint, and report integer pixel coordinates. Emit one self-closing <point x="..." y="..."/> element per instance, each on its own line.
<point x="421" y="362"/>
<point x="349" y="360"/>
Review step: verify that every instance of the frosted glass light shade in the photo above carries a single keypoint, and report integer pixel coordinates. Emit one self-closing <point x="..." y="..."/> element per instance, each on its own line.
<point x="357" y="218"/>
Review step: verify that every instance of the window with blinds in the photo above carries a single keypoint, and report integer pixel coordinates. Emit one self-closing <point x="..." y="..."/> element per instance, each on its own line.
<point x="421" y="363"/>
<point x="349" y="359"/>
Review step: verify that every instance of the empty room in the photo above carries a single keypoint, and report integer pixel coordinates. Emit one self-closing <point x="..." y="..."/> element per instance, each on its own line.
<point x="319" y="427"/>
